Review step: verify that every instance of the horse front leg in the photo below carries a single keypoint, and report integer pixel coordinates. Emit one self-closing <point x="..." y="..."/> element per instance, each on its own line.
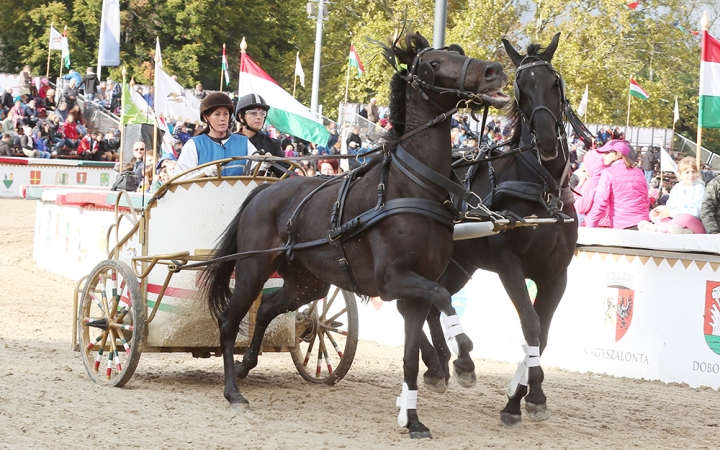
<point x="529" y="371"/>
<point x="438" y="373"/>
<point x="415" y="313"/>
<point x="550" y="292"/>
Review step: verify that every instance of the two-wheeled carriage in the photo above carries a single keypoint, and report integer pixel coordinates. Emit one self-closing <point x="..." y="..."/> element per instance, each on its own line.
<point x="136" y="301"/>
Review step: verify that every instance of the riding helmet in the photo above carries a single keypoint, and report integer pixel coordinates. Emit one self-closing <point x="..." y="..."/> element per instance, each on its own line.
<point x="214" y="101"/>
<point x="249" y="101"/>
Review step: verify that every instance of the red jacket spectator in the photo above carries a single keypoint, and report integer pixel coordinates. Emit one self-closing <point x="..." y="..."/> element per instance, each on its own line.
<point x="70" y="131"/>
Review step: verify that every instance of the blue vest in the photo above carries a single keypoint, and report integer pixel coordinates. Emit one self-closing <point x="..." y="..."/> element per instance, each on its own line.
<point x="209" y="150"/>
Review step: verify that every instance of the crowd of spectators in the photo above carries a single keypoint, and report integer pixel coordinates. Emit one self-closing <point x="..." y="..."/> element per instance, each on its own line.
<point x="618" y="187"/>
<point x="42" y="123"/>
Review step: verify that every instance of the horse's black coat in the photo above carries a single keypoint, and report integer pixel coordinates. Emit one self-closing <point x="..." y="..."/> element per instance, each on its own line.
<point x="398" y="258"/>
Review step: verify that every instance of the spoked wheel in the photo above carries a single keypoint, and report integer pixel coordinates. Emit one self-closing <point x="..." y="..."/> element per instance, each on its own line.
<point x="111" y="323"/>
<point x="327" y="335"/>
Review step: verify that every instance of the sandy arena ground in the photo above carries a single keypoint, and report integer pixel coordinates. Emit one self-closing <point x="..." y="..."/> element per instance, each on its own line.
<point x="175" y="401"/>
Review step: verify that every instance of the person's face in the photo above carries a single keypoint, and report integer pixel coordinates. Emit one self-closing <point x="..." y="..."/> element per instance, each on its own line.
<point x="219" y="120"/>
<point x="70" y="119"/>
<point x="198" y="87"/>
<point x="327" y="169"/>
<point x="689" y="176"/>
<point x="139" y="150"/>
<point x="31" y="103"/>
<point x="610" y="157"/>
<point x="72" y="83"/>
<point x="255" y="118"/>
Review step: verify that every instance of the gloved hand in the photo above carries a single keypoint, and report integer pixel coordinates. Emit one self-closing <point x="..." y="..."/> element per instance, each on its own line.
<point x="265" y="166"/>
<point x="211" y="171"/>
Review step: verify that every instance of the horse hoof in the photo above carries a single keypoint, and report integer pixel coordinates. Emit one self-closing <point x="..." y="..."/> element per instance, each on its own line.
<point x="237" y="365"/>
<point x="464" y="379"/>
<point x="420" y="435"/>
<point x="511" y="420"/>
<point x="240" y="407"/>
<point x="437" y="385"/>
<point x="537" y="413"/>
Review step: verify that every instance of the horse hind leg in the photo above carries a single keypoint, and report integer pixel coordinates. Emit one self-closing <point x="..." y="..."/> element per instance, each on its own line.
<point x="271" y="305"/>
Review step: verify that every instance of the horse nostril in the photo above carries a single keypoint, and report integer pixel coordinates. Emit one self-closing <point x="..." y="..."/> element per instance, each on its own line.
<point x="490" y="73"/>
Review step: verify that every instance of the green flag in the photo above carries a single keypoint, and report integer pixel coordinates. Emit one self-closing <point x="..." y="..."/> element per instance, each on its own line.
<point x="129" y="111"/>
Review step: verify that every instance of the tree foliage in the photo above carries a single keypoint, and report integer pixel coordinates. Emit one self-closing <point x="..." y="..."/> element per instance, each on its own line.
<point x="603" y="44"/>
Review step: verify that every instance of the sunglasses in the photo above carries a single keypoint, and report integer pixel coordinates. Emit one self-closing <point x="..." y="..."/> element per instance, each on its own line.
<point x="141" y="149"/>
<point x="256" y="113"/>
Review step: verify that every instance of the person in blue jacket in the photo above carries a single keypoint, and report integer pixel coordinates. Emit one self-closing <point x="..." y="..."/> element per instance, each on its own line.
<point x="215" y="141"/>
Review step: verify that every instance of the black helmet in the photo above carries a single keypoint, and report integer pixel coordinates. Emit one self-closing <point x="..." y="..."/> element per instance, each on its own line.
<point x="214" y="101"/>
<point x="250" y="101"/>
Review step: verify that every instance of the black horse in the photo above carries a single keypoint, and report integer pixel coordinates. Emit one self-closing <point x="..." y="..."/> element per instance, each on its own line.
<point x="533" y="183"/>
<point x="386" y="231"/>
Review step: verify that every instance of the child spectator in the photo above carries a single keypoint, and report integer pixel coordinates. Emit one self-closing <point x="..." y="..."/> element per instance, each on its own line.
<point x="69" y="129"/>
<point x="710" y="211"/>
<point x="681" y="214"/>
<point x="588" y="178"/>
<point x="621" y="197"/>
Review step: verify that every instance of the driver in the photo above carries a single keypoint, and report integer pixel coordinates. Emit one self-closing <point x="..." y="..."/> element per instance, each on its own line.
<point x="215" y="141"/>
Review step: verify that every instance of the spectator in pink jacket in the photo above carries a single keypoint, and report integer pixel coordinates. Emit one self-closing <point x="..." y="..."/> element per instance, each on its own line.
<point x="589" y="176"/>
<point x="622" y="191"/>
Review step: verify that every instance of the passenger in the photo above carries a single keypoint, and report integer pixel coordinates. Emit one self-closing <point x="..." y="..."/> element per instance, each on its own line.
<point x="681" y="214"/>
<point x="621" y="196"/>
<point x="250" y="113"/>
<point x="215" y="141"/>
<point x="710" y="212"/>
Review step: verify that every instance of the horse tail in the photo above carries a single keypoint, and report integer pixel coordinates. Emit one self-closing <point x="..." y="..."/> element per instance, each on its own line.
<point x="215" y="278"/>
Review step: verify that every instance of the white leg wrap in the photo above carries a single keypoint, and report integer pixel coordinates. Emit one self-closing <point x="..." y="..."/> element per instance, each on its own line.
<point x="452" y="326"/>
<point x="407" y="400"/>
<point x="532" y="359"/>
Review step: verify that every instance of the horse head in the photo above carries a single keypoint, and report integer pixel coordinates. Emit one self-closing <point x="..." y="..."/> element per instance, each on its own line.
<point x="539" y="97"/>
<point x="446" y="77"/>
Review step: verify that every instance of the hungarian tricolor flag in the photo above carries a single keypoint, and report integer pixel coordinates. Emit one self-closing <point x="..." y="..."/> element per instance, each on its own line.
<point x="709" y="109"/>
<point x="65" y="49"/>
<point x="355" y="60"/>
<point x="225" y="67"/>
<point x="637" y="91"/>
<point x="286" y="114"/>
<point x="633" y="5"/>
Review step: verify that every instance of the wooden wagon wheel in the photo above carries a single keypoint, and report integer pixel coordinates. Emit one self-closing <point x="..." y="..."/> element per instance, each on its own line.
<point x="327" y="335"/>
<point x="111" y="323"/>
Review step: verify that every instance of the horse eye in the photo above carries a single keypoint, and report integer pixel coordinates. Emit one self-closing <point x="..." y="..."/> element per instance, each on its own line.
<point x="435" y="64"/>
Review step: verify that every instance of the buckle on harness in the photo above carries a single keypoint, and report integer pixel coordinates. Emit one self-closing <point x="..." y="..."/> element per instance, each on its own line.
<point x="344" y="264"/>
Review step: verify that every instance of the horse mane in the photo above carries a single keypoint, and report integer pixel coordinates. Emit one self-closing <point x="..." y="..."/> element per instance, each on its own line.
<point x="402" y="49"/>
<point x="513" y="114"/>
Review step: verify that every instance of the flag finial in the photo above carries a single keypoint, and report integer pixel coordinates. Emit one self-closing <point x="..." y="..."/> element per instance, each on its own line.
<point x="704" y="22"/>
<point x="243" y="45"/>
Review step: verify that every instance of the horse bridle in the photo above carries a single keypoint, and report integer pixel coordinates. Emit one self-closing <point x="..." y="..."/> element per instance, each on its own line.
<point x="421" y="76"/>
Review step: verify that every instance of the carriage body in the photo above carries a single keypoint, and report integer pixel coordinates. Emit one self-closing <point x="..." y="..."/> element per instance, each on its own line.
<point x="137" y="301"/>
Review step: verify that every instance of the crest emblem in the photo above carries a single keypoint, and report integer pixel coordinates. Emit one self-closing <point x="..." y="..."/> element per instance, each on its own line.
<point x="711" y="326"/>
<point x="62" y="178"/>
<point x="104" y="179"/>
<point x="81" y="177"/>
<point x="8" y="180"/>
<point x="620" y="304"/>
<point x="35" y="176"/>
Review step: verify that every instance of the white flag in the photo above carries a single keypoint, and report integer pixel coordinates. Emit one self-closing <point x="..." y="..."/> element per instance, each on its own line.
<point x="158" y="53"/>
<point x="676" y="113"/>
<point x="582" y="107"/>
<point x="109" y="48"/>
<point x="56" y="39"/>
<point x="299" y="72"/>
<point x="172" y="102"/>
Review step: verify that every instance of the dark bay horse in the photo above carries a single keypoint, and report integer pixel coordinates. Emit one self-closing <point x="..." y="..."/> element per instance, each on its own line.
<point x="541" y="254"/>
<point x="318" y="236"/>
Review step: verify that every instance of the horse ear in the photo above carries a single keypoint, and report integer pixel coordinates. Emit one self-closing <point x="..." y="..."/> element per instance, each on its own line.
<point x="419" y="42"/>
<point x="550" y="50"/>
<point x="456" y="48"/>
<point x="512" y="53"/>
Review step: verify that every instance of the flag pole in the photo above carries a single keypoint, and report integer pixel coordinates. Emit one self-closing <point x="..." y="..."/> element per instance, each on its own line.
<point x="47" y="72"/>
<point x="698" y="149"/>
<point x="243" y="47"/>
<point x="627" y="122"/>
<point x="294" y="83"/>
<point x="155" y="127"/>
<point x="221" y="69"/>
<point x="122" y="127"/>
<point x="347" y="77"/>
<point x="672" y="139"/>
<point x="61" y="55"/>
